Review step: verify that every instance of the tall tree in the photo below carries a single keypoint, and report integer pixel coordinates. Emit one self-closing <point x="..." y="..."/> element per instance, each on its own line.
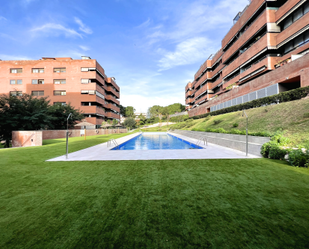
<point x="29" y="113"/>
<point x="122" y="110"/>
<point x="130" y="111"/>
<point x="129" y="122"/>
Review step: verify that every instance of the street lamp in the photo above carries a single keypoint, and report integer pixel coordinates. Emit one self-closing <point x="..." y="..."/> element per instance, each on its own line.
<point x="245" y="114"/>
<point x="67" y="136"/>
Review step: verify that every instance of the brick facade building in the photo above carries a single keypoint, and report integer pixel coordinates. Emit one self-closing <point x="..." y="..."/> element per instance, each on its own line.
<point x="265" y="52"/>
<point x="82" y="83"/>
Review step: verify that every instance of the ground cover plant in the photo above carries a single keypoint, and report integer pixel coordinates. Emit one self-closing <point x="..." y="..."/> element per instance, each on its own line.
<point x="254" y="203"/>
<point x="292" y="118"/>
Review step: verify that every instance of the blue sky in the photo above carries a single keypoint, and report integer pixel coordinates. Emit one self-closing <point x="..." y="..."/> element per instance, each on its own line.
<point x="152" y="47"/>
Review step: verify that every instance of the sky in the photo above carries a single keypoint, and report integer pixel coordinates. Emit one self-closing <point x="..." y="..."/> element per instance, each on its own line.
<point x="152" y="47"/>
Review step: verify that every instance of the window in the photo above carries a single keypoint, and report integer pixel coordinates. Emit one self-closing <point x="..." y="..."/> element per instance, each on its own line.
<point x="306" y="7"/>
<point x="84" y="69"/>
<point x="37" y="70"/>
<point x="63" y="81"/>
<point x="60" y="92"/>
<point x="37" y="81"/>
<point x="296" y="42"/>
<point x="37" y="93"/>
<point x="13" y="82"/>
<point x="16" y="70"/>
<point x="60" y="70"/>
<point x="16" y="93"/>
<point x="60" y="103"/>
<point x="295" y="15"/>
<point x="85" y="81"/>
<point x="88" y="92"/>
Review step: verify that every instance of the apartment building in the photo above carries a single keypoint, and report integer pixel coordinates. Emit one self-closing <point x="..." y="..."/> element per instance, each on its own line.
<point x="82" y="83"/>
<point x="265" y="52"/>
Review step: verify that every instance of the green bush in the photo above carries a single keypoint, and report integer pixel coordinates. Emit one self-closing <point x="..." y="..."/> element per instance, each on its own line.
<point x="277" y="98"/>
<point x="235" y="125"/>
<point x="276" y="152"/>
<point x="299" y="158"/>
<point x="218" y="121"/>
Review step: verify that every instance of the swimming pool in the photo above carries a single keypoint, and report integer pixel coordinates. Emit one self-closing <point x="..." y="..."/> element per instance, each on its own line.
<point x="156" y="141"/>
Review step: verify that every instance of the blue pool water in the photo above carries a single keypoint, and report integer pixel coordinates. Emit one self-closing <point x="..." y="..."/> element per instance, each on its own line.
<point x="153" y="141"/>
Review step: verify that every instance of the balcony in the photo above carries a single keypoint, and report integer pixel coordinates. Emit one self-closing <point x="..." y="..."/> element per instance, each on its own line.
<point x="113" y="107"/>
<point x="111" y="89"/>
<point x="207" y="75"/>
<point x="231" y="67"/>
<point x="112" y="115"/>
<point x="188" y="86"/>
<point x="216" y="56"/>
<point x="253" y="29"/>
<point x="285" y="8"/>
<point x="111" y="81"/>
<point x="255" y="69"/>
<point x="206" y="64"/>
<point x="189" y="101"/>
<point x="93" y="110"/>
<point x="216" y="83"/>
<point x="220" y="67"/>
<point x="230" y="82"/>
<point x="200" y="91"/>
<point x="252" y="8"/>
<point x="293" y="28"/>
<point x="111" y="98"/>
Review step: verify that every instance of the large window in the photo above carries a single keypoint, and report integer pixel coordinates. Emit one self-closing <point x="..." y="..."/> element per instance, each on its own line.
<point x="60" y="92"/>
<point x="63" y="81"/>
<point x="85" y="81"/>
<point x="296" y="42"/>
<point x="37" y="93"/>
<point x="60" y="70"/>
<point x="302" y="10"/>
<point x="37" y="70"/>
<point x="16" y="70"/>
<point x="16" y="93"/>
<point x="36" y="81"/>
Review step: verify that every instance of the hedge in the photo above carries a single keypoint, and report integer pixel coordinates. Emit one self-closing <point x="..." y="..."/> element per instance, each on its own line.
<point x="277" y="98"/>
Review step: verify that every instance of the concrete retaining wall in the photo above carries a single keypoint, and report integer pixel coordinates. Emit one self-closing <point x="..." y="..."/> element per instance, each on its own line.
<point x="237" y="142"/>
<point x="26" y="138"/>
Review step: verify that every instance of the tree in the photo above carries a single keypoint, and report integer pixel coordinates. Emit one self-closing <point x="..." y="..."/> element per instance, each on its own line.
<point x="122" y="110"/>
<point x="60" y="114"/>
<point x="142" y="119"/>
<point x="114" y="122"/>
<point x="155" y="110"/>
<point x="130" y="111"/>
<point x="129" y="122"/>
<point x="29" y="113"/>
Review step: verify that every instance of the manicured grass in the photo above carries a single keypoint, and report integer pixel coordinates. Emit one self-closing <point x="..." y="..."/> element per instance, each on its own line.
<point x="254" y="203"/>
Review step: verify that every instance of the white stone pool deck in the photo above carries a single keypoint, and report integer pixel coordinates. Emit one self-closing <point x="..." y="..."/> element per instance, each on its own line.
<point x="101" y="152"/>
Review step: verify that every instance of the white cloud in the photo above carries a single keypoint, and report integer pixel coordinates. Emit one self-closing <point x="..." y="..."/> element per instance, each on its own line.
<point x="82" y="26"/>
<point x="85" y="48"/>
<point x="2" y="18"/>
<point x="56" y="29"/>
<point x="187" y="52"/>
<point x="13" y="57"/>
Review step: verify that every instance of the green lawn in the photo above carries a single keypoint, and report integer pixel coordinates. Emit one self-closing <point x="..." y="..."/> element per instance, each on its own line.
<point x="254" y="203"/>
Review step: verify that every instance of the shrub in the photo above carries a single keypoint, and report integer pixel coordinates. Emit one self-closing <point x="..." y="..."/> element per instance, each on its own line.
<point x="266" y="148"/>
<point x="276" y="152"/>
<point x="299" y="158"/>
<point x="218" y="121"/>
<point x="235" y="125"/>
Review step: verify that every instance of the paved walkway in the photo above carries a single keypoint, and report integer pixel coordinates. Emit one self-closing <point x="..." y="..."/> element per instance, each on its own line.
<point x="102" y="153"/>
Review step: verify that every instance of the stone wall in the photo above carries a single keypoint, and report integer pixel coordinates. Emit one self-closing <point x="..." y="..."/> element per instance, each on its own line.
<point x="26" y="138"/>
